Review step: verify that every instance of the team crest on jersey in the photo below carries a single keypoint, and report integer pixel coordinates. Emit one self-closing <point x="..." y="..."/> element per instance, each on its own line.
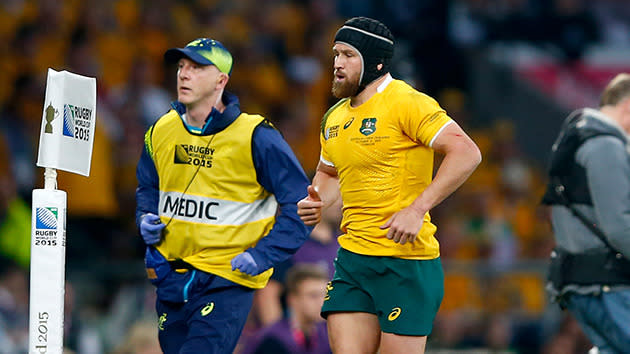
<point x="368" y="126"/>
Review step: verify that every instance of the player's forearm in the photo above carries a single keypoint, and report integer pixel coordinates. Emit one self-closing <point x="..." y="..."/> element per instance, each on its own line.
<point x="327" y="186"/>
<point x="457" y="165"/>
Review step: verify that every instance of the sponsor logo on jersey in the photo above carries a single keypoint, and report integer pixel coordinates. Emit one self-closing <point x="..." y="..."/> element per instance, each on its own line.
<point x="348" y="123"/>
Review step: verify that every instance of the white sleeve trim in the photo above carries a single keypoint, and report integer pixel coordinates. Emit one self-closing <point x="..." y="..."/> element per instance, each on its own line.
<point x="438" y="132"/>
<point x="326" y="162"/>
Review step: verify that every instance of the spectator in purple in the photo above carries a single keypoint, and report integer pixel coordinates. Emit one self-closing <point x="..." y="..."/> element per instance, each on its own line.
<point x="319" y="249"/>
<point x="303" y="331"/>
<point x="322" y="246"/>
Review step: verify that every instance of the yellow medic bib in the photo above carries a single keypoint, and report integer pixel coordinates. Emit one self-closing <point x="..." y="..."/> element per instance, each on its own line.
<point x="382" y="153"/>
<point x="210" y="199"/>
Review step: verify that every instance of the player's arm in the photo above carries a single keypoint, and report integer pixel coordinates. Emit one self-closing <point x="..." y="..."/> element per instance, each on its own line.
<point x="324" y="189"/>
<point x="323" y="192"/>
<point x="461" y="157"/>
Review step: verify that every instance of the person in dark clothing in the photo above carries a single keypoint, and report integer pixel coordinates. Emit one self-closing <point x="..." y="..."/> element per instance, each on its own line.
<point x="589" y="194"/>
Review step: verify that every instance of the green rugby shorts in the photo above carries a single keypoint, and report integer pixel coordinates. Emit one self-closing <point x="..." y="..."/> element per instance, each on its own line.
<point x="404" y="294"/>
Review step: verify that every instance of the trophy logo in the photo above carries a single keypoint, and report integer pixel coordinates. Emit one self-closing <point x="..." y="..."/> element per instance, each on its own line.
<point x="51" y="114"/>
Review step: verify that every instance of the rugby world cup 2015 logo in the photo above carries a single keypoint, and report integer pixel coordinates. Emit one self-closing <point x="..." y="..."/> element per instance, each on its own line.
<point x="68" y="121"/>
<point x="46" y="218"/>
<point x="77" y="122"/>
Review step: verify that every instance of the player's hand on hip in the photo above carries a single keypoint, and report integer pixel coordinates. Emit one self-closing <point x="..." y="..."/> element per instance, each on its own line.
<point x="310" y="208"/>
<point x="245" y="263"/>
<point x="404" y="225"/>
<point x="151" y="228"/>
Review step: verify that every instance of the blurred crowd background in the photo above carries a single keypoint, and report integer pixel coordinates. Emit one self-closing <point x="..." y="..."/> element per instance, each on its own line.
<point x="508" y="71"/>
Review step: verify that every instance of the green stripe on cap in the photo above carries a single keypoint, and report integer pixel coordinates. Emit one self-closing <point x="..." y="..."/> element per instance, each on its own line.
<point x="219" y="57"/>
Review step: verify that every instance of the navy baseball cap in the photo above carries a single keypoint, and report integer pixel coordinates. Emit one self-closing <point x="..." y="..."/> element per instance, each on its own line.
<point x="203" y="51"/>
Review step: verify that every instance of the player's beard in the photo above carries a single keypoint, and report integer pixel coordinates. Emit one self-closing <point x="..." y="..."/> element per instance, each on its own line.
<point x="345" y="88"/>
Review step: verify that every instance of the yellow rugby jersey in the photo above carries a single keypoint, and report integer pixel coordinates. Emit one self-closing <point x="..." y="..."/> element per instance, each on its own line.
<point x="224" y="210"/>
<point x="382" y="153"/>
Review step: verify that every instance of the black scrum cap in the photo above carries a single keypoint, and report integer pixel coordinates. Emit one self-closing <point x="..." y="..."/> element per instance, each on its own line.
<point x="373" y="41"/>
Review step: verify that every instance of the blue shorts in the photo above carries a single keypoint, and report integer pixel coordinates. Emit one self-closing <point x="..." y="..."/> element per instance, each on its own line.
<point x="212" y="319"/>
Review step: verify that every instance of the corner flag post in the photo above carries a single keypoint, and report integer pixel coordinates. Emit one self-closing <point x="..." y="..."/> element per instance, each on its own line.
<point x="65" y="142"/>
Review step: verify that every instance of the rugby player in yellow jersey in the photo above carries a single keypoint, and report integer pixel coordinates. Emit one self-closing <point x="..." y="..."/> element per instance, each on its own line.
<point x="377" y="146"/>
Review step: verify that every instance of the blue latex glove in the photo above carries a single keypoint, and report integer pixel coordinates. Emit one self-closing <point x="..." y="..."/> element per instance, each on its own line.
<point x="245" y="263"/>
<point x="151" y="228"/>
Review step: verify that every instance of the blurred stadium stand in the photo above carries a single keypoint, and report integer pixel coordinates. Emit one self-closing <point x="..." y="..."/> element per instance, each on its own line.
<point x="508" y="71"/>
